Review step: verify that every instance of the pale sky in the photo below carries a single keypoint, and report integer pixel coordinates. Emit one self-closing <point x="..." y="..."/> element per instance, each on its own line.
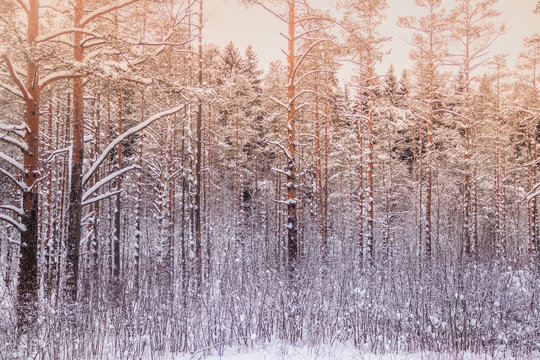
<point x="228" y="20"/>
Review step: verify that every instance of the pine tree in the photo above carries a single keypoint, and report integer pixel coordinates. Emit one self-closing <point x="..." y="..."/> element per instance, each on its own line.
<point x="474" y="32"/>
<point x="430" y="41"/>
<point x="363" y="19"/>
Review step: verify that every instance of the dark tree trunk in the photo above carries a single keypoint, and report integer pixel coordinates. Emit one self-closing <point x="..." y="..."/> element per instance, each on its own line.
<point x="75" y="194"/>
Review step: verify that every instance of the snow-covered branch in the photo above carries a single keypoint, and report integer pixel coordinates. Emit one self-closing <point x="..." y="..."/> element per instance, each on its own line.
<point x="13" y="222"/>
<point x="101" y="197"/>
<point x="170" y="177"/>
<point x="297" y="66"/>
<point x="19" y="130"/>
<point x="60" y="32"/>
<point x="60" y="75"/>
<point x="307" y="91"/>
<point x="283" y="148"/>
<point x="58" y="152"/>
<point x="535" y="191"/>
<point x="161" y="43"/>
<point x="130" y="132"/>
<point x="310" y="73"/>
<point x="21" y="185"/>
<point x="287" y="202"/>
<point x="286" y="173"/>
<point x="15" y="209"/>
<point x="280" y="103"/>
<point x="11" y="161"/>
<point x="12" y="141"/>
<point x="106" y="179"/>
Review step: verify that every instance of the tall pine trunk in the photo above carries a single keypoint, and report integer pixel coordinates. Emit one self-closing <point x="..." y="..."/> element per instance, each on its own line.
<point x="77" y="158"/>
<point x="27" y="288"/>
<point x="198" y="246"/>
<point x="292" y="220"/>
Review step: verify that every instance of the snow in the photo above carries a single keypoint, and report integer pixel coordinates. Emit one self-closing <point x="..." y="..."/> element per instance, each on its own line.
<point x="322" y="352"/>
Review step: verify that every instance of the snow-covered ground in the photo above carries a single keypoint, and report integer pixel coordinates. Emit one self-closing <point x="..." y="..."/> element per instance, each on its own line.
<point x="334" y="352"/>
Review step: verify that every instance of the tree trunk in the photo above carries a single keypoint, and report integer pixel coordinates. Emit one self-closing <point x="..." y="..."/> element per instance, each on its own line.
<point x="27" y="288"/>
<point x="198" y="248"/>
<point x="118" y="203"/>
<point x="292" y="220"/>
<point x="371" y="211"/>
<point x="77" y="158"/>
<point x="138" y="209"/>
